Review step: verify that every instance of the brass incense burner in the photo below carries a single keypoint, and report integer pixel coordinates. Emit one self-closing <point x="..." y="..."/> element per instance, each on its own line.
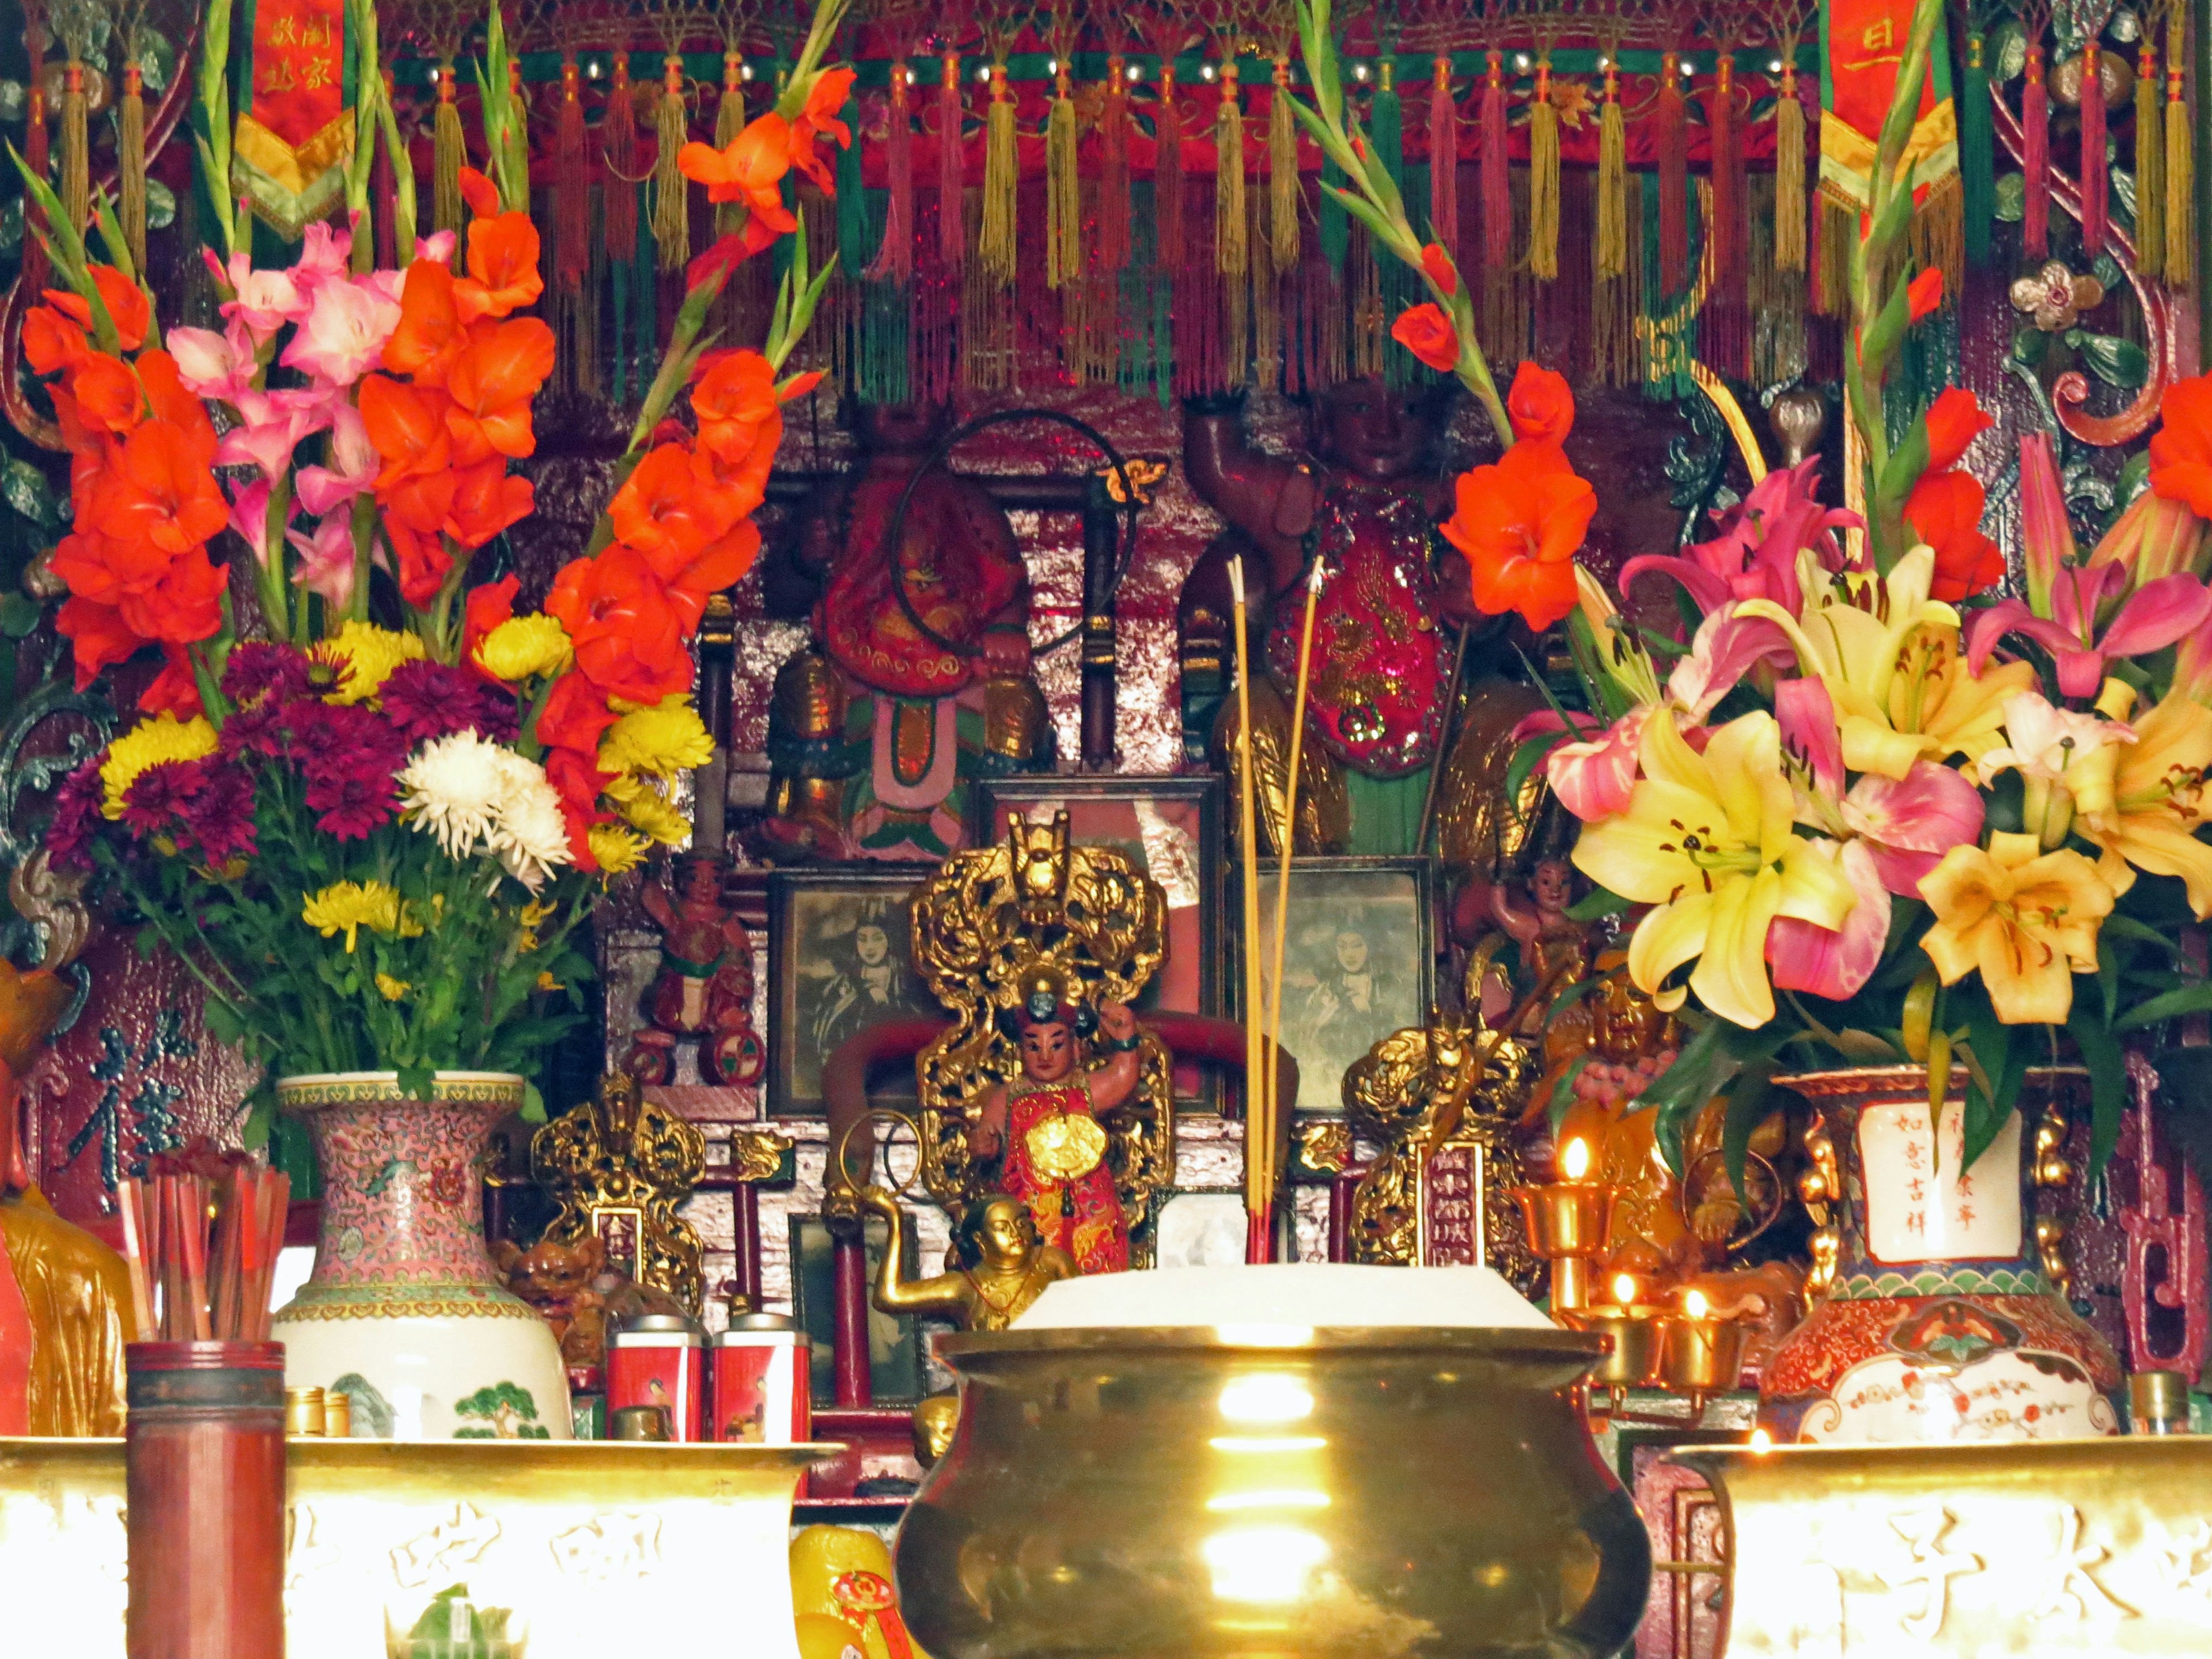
<point x="1284" y="1491"/>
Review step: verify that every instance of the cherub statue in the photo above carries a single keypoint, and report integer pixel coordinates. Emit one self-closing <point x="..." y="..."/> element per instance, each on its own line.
<point x="997" y="1266"/>
<point x="1043" y="1126"/>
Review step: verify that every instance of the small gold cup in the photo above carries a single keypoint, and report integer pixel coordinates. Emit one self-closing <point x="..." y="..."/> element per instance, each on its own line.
<point x="304" y="1412"/>
<point x="1632" y="1362"/>
<point x="1700" y="1354"/>
<point x="1570" y="1225"/>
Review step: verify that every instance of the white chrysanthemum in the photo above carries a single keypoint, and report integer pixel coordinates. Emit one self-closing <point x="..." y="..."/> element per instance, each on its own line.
<point x="455" y="788"/>
<point x="529" y="832"/>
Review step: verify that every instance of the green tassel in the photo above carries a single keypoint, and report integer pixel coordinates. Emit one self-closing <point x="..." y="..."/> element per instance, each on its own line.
<point x="856" y="247"/>
<point x="1335" y="224"/>
<point x="1976" y="154"/>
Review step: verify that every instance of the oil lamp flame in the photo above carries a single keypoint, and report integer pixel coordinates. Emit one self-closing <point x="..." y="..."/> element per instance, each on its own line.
<point x="1624" y="1289"/>
<point x="1694" y="1305"/>
<point x="1574" y="1163"/>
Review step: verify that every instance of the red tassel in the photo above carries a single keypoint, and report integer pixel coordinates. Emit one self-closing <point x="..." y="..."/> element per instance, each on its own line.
<point x="1443" y="161"/>
<point x="895" y="262"/>
<point x="1674" y="177"/>
<point x="1496" y="182"/>
<point x="952" y="209"/>
<point x="1168" y="176"/>
<point x="572" y="207"/>
<point x="1726" y="308"/>
<point x="2095" y="177"/>
<point x="2035" y="161"/>
<point x="35" y="153"/>
<point x="618" y="144"/>
<point x="1114" y="168"/>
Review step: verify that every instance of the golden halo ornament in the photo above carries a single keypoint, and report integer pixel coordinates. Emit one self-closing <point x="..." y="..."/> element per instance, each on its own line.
<point x="1065" y="1147"/>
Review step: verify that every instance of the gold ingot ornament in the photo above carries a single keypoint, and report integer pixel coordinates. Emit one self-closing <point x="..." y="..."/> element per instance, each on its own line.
<point x="1065" y="1148"/>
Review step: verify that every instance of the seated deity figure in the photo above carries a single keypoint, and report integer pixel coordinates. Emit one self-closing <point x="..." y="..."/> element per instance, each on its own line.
<point x="917" y="681"/>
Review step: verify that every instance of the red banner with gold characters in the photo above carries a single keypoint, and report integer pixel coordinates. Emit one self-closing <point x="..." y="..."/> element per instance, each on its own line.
<point x="1862" y="50"/>
<point x="296" y="121"/>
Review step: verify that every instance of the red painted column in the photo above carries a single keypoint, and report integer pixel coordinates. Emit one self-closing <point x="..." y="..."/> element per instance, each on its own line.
<point x="849" y="1316"/>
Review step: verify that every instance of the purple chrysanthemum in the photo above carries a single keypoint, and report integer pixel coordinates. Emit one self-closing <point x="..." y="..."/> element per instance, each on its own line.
<point x="219" y="819"/>
<point x="259" y="672"/>
<point x="158" y="796"/>
<point x="77" y="816"/>
<point x="352" y="803"/>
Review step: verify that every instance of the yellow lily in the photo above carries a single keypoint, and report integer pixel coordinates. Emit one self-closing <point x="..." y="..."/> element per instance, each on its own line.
<point x="1889" y="656"/>
<point x="1708" y="841"/>
<point x="2142" y="802"/>
<point x="2026" y="918"/>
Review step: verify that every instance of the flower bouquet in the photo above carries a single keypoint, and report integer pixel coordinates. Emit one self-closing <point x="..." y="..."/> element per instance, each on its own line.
<point x="365" y="818"/>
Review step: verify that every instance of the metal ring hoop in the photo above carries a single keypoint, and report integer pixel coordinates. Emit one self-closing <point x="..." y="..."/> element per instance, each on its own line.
<point x="1742" y="1201"/>
<point x="843" y="1170"/>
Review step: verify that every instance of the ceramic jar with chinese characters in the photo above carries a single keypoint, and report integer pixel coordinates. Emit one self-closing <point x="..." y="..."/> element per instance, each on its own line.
<point x="404" y="1312"/>
<point x="1940" y="1325"/>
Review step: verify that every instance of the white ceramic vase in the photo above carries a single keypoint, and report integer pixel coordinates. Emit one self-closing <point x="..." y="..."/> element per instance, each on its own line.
<point x="404" y="1313"/>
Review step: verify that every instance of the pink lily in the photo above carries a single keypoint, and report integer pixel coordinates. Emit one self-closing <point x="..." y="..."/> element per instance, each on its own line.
<point x="276" y="421"/>
<point x="2046" y="534"/>
<point x="1907" y="824"/>
<point x="1755" y="555"/>
<point x="1725" y="648"/>
<point x="1834" y="963"/>
<point x="343" y="336"/>
<point x="2155" y="615"/>
<point x="2154" y="538"/>
<point x="326" y="561"/>
<point x="249" y="517"/>
<point x="218" y="367"/>
<point x="353" y="468"/>
<point x="1592" y="777"/>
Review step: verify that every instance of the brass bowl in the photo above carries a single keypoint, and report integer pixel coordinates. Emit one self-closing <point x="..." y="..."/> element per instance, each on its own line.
<point x="1360" y="1494"/>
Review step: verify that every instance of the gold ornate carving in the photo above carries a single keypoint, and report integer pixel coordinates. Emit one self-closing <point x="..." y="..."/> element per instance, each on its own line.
<point x="1418" y="1090"/>
<point x="1479" y="822"/>
<point x="756" y="1154"/>
<point x="1144" y="473"/>
<point x="52" y="901"/>
<point x="994" y="916"/>
<point x="1324" y="809"/>
<point x="1324" y="1144"/>
<point x="621" y="1163"/>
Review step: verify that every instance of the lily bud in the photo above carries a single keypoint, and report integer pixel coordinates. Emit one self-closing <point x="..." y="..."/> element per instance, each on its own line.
<point x="2192" y="665"/>
<point x="2153" y="538"/>
<point x="2046" y="537"/>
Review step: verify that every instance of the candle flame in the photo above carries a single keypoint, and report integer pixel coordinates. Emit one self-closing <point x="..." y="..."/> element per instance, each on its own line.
<point x="1574" y="1163"/>
<point x="1761" y="1441"/>
<point x="1624" y="1289"/>
<point x="1694" y="1305"/>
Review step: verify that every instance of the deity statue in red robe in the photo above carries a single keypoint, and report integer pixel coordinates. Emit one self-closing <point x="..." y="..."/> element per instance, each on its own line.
<point x="1045" y="1123"/>
<point x="917" y="681"/>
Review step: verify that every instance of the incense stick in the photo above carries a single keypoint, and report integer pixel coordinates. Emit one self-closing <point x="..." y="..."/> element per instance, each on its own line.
<point x="1258" y="1188"/>
<point x="1290" y="835"/>
<point x="213" y="1286"/>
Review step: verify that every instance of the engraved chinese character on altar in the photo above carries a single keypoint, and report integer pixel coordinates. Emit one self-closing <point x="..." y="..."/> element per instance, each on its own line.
<point x="1921" y="1203"/>
<point x="1451" y="1208"/>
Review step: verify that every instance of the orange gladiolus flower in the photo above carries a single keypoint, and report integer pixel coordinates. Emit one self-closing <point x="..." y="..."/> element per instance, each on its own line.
<point x="491" y="383"/>
<point x="734" y="385"/>
<point x="1437" y="266"/>
<point x="90" y="448"/>
<point x="51" y="341"/>
<point x="489" y="604"/>
<point x="1945" y="511"/>
<point x="174" y="690"/>
<point x="487" y="499"/>
<point x="158" y="490"/>
<point x="430" y="335"/>
<point x="98" y="636"/>
<point x="756" y="235"/>
<point x="425" y="561"/>
<point x="1925" y="293"/>
<point x="185" y="605"/>
<point x="831" y="89"/>
<point x="750" y="170"/>
<point x="718" y="566"/>
<point x="1427" y="332"/>
<point x="1520" y="523"/>
<point x="628" y="638"/>
<point x="503" y="273"/>
<point x="126" y="303"/>
<point x="667" y="512"/>
<point x="1540" y="405"/>
<point x="108" y="396"/>
<point x="575" y="715"/>
<point x="1955" y="420"/>
<point x="2181" y="449"/>
<point x="171" y="402"/>
<point x="407" y="425"/>
<point x="479" y="193"/>
<point x="740" y="473"/>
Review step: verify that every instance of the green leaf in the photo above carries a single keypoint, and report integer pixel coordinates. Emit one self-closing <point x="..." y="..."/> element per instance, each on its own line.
<point x="26" y="490"/>
<point x="533" y="1104"/>
<point x="2115" y="362"/>
<point x="2188" y="999"/>
<point x="1747" y="1108"/>
<point x="2108" y="1086"/>
<point x="1986" y="1111"/>
<point x="2141" y="933"/>
<point x="1596" y="905"/>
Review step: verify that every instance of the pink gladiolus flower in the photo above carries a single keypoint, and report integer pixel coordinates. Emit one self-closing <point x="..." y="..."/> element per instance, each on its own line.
<point x="263" y="300"/>
<point x="1834" y="963"/>
<point x="1755" y="555"/>
<point x="326" y="559"/>
<point x="323" y="255"/>
<point x="2156" y="614"/>
<point x="249" y="517"/>
<point x="353" y="468"/>
<point x="2046" y="535"/>
<point x="276" y="421"/>
<point x="214" y="366"/>
<point x="343" y="334"/>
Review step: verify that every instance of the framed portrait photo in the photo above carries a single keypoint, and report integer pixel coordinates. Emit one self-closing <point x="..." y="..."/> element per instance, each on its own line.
<point x="1358" y="961"/>
<point x="839" y="944"/>
<point x="894" y="1360"/>
<point x="1171" y="827"/>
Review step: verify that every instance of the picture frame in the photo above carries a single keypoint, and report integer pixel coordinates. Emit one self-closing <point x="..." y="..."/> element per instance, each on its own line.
<point x="829" y="978"/>
<point x="895" y="1340"/>
<point x="1330" y="1018"/>
<point x="1199" y="1227"/>
<point x="1171" y="826"/>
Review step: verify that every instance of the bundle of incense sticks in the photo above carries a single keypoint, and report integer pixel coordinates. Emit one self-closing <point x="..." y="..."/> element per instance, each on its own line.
<point x="203" y="1253"/>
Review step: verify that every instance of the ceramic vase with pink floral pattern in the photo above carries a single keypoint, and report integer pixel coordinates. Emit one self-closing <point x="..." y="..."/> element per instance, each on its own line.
<point x="404" y="1312"/>
<point x="1941" y="1325"/>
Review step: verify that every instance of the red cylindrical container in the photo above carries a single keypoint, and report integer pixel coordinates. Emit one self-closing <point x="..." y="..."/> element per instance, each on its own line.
<point x="763" y="1381"/>
<point x="204" y="1449"/>
<point x="661" y="1359"/>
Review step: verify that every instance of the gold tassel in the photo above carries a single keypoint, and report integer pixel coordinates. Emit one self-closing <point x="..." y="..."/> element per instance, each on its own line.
<point x="1063" y="191"/>
<point x="1232" y="254"/>
<point x="77" y="149"/>
<point x="1612" y="182"/>
<point x="1001" y="174"/>
<point x="131" y="164"/>
<point x="729" y="122"/>
<point x="1544" y="180"/>
<point x="1789" y="177"/>
<point x="2180" y="162"/>
<point x="671" y="196"/>
<point x="1282" y="174"/>
<point x="448" y="151"/>
<point x="2150" y="164"/>
<point x="1832" y="282"/>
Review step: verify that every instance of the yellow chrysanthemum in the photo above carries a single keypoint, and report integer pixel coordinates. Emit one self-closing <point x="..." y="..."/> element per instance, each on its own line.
<point x="364" y="656"/>
<point x="393" y="989"/>
<point x="547" y="983"/>
<point x="662" y="740"/>
<point x="523" y="648"/>
<point x="647" y="810"/>
<point x="150" y="743"/>
<point x="535" y="915"/>
<point x="350" y="906"/>
<point x="616" y="849"/>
